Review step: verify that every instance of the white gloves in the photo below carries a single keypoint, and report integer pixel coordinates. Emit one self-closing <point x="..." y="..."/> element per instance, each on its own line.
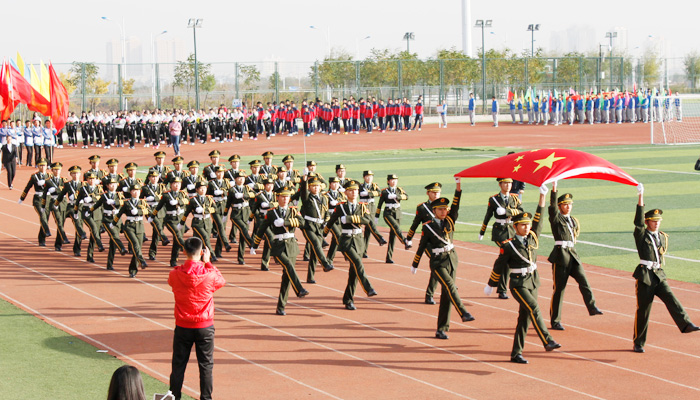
<point x="341" y="189"/>
<point x="306" y="171"/>
<point x="481" y="237"/>
<point x="87" y="213"/>
<point x="544" y="189"/>
<point x="391" y="196"/>
<point x="225" y="219"/>
<point x="199" y="210"/>
<point x="111" y="225"/>
<point x="264" y="204"/>
<point x="251" y="185"/>
<point x="279" y="222"/>
<point x="52" y="189"/>
<point x="179" y="226"/>
<point x="190" y="186"/>
<point x="488" y="290"/>
<point x="76" y="216"/>
<point x="71" y="198"/>
<point x="334" y="203"/>
<point x="87" y="200"/>
<point x="238" y="195"/>
<point x="343" y="219"/>
<point x="376" y="220"/>
<point x="173" y="202"/>
<point x="19" y="201"/>
<point x="150" y="198"/>
<point x="43" y="210"/>
<point x="212" y="175"/>
<point x="110" y="201"/>
<point x="414" y="270"/>
<point x="149" y="219"/>
<point x="41" y="182"/>
<point x="125" y="189"/>
<point x="364" y="193"/>
<point x="458" y="179"/>
<point x="218" y="192"/>
<point x="134" y="211"/>
<point x="501" y="211"/>
<point x="252" y="251"/>
<point x="640" y="188"/>
<point x="409" y="243"/>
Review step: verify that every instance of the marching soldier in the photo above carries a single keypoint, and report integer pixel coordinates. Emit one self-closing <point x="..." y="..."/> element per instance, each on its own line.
<point x="293" y="175"/>
<point x="95" y="167"/>
<point x="110" y="203"/>
<point x="152" y="192"/>
<point x="424" y="214"/>
<point x="352" y="215"/>
<point x="160" y="166"/>
<point x="112" y="172"/>
<point x="518" y="258"/>
<point x="340" y="173"/>
<point x="130" y="180"/>
<point x="38" y="182"/>
<point x="177" y="172"/>
<point x="314" y="209"/>
<point x="70" y="193"/>
<point x="282" y="221"/>
<point x="652" y="244"/>
<point x="51" y="206"/>
<point x="280" y="178"/>
<point x="218" y="189"/>
<point x="335" y="197"/>
<point x="368" y="191"/>
<point x="564" y="258"/>
<point x="174" y="203"/>
<point x="502" y="206"/>
<point x="201" y="207"/>
<point x="437" y="237"/>
<point x="267" y="168"/>
<point x="209" y="172"/>
<point x="255" y="179"/>
<point x="87" y="196"/>
<point x="391" y="197"/>
<point x="235" y="161"/>
<point x="239" y="198"/>
<point x="134" y="209"/>
<point x="192" y="178"/>
<point x="311" y="167"/>
<point x="264" y="201"/>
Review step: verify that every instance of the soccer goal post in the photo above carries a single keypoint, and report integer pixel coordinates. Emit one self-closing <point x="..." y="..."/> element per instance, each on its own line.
<point x="675" y="119"/>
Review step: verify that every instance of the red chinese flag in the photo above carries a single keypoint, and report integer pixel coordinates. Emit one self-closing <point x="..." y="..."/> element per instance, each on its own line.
<point x="34" y="100"/>
<point x="510" y="96"/>
<point x="541" y="166"/>
<point x="9" y="99"/>
<point x="59" y="100"/>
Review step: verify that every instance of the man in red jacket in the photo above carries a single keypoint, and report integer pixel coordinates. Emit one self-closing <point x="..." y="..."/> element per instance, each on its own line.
<point x="194" y="284"/>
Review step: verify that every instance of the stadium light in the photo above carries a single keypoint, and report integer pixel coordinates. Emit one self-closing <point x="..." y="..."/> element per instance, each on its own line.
<point x="328" y="38"/>
<point x="483" y="24"/>
<point x="407" y="37"/>
<point x="532" y="28"/>
<point x="195" y="23"/>
<point x="611" y="36"/>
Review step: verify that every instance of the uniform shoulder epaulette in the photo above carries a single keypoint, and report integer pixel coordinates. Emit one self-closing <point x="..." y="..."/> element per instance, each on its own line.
<point x="514" y="195"/>
<point x="507" y="240"/>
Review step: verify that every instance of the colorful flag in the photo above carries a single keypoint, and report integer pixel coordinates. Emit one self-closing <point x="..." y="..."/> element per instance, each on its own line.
<point x="34" y="81"/>
<point x="59" y="100"/>
<point x="7" y="93"/>
<point x="541" y="166"/>
<point x="27" y="94"/>
<point x="20" y="65"/>
<point x="510" y="96"/>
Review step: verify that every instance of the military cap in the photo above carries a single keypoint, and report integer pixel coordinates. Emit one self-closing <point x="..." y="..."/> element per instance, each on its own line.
<point x="199" y="184"/>
<point x="214" y="153"/>
<point x="111" y="179"/>
<point x="524" y="218"/>
<point x="288" y="158"/>
<point x="268" y="181"/>
<point x="254" y="163"/>
<point x="56" y="165"/>
<point x="240" y="174"/>
<point x="282" y="169"/>
<point x="339" y="166"/>
<point x="434" y="187"/>
<point x="75" y="168"/>
<point x="90" y="175"/>
<point x="175" y="179"/>
<point x="42" y="161"/>
<point x="112" y="162"/>
<point x="502" y="180"/>
<point x="268" y="154"/>
<point x="178" y="160"/>
<point x="333" y="179"/>
<point x="653" y="215"/>
<point x="159" y="154"/>
<point x="391" y="176"/>
<point x="565" y="198"/>
<point x="219" y="168"/>
<point x="193" y="163"/>
<point x="310" y="163"/>
<point x="153" y="172"/>
<point x="368" y="172"/>
<point x="95" y="157"/>
<point x="314" y="181"/>
<point x="234" y="157"/>
<point x="131" y="165"/>
<point x="352" y="185"/>
<point x="135" y="186"/>
<point x="440" y="203"/>
<point x="284" y="191"/>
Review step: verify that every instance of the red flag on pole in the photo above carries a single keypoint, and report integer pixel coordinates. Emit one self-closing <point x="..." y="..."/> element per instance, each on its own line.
<point x="541" y="166"/>
<point x="9" y="98"/>
<point x="59" y="100"/>
<point x="510" y="96"/>
<point x="34" y="100"/>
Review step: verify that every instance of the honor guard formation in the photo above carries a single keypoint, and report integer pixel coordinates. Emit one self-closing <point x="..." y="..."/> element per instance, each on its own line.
<point x="279" y="200"/>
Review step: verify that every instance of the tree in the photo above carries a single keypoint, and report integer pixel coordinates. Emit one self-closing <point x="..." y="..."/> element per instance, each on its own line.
<point x="651" y="68"/>
<point x="337" y="70"/>
<point x="274" y="80"/>
<point x="184" y="76"/>
<point x="128" y="86"/>
<point x="691" y="67"/>
<point x="66" y="79"/>
<point x="250" y="75"/>
<point x="90" y="70"/>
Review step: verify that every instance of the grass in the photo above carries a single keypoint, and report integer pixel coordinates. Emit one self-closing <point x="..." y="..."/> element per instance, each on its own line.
<point x="40" y="361"/>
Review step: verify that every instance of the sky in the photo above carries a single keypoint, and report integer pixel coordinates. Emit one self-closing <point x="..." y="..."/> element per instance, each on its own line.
<point x="67" y="31"/>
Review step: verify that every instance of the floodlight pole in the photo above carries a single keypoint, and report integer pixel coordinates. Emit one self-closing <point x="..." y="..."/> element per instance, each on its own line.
<point x="193" y="23"/>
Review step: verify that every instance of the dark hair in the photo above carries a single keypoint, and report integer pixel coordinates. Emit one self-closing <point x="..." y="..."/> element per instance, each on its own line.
<point x="193" y="245"/>
<point x="126" y="384"/>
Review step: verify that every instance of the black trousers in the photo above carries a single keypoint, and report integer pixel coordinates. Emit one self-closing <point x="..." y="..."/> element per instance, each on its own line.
<point x="10" y="170"/>
<point x="203" y="340"/>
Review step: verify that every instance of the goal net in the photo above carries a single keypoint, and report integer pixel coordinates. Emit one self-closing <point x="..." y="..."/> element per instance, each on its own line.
<point x="675" y="119"/>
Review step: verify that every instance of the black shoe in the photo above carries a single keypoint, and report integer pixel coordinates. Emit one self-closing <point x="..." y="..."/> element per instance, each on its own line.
<point x="101" y="249"/>
<point x="66" y="241"/>
<point x="48" y="234"/>
<point x="145" y="239"/>
<point x="638" y="349"/>
<point x="83" y="237"/>
<point x="42" y="244"/>
<point x="57" y="248"/>
<point x="264" y="268"/>
<point x="228" y="248"/>
<point x="466" y="317"/>
<point x="328" y="267"/>
<point x="132" y="274"/>
<point x="214" y="258"/>
<point x="303" y="293"/>
<point x="441" y="335"/>
<point x="173" y="264"/>
<point x="102" y="229"/>
<point x="280" y="312"/>
<point x="143" y="264"/>
<point x="350" y="306"/>
<point x="110" y="268"/>
<point x="324" y="244"/>
<point x="429" y="299"/>
<point x="365" y="256"/>
<point x="241" y="263"/>
<point x="233" y="240"/>
<point x="90" y="260"/>
<point x="503" y="296"/>
<point x="691" y="327"/>
<point x="519" y="359"/>
<point x="594" y="311"/>
<point x="382" y="242"/>
<point x="388" y="261"/>
<point x="152" y="258"/>
<point x="306" y="258"/>
<point x="371" y="293"/>
<point x="76" y="254"/>
<point x="218" y="255"/>
<point x="551" y="345"/>
<point x="557" y="326"/>
<point x="311" y="281"/>
<point x="166" y="242"/>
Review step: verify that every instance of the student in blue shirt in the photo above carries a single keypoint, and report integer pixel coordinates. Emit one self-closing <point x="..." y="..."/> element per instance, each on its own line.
<point x="520" y="110"/>
<point x="596" y="110"/>
<point x="645" y="107"/>
<point x="19" y="140"/>
<point x="545" y="110"/>
<point x="606" y="109"/>
<point x="618" y="109"/>
<point x="589" y="110"/>
<point x="511" y="106"/>
<point x="494" y="111"/>
<point x="536" y="106"/>
<point x="471" y="108"/>
<point x="29" y="142"/>
<point x="38" y="133"/>
<point x="677" y="103"/>
<point x="529" y="112"/>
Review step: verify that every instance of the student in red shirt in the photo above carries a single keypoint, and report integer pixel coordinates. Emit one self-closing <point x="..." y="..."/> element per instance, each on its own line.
<point x="418" y="121"/>
<point x="369" y="115"/>
<point x="345" y="115"/>
<point x="336" y="116"/>
<point x="381" y="116"/>
<point x="306" y="118"/>
<point x="406" y="114"/>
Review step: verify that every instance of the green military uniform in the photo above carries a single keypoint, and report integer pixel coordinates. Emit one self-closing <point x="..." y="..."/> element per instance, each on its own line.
<point x="100" y="174"/>
<point x="174" y="173"/>
<point x="651" y="279"/>
<point x="209" y="172"/>
<point x="391" y="198"/>
<point x="127" y="182"/>
<point x="134" y="210"/>
<point x="218" y="190"/>
<point x="264" y="201"/>
<point x="268" y="169"/>
<point x="230" y="175"/>
<point x="368" y="193"/>
<point x="163" y="170"/>
<point x="87" y="196"/>
<point x="352" y="244"/>
<point x="70" y="193"/>
<point x="110" y="203"/>
<point x="201" y="208"/>
<point x="50" y="203"/>
<point x="502" y="208"/>
<point x="565" y="260"/>
<point x="437" y="236"/>
<point x="152" y="194"/>
<point x="282" y="223"/>
<point x="174" y="205"/>
<point x="314" y="209"/>
<point x="518" y="257"/>
<point x="424" y="214"/>
<point x="335" y="198"/>
<point x="38" y="182"/>
<point x="239" y="198"/>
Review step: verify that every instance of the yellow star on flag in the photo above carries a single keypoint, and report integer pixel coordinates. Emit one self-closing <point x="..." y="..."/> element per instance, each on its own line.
<point x="547" y="162"/>
<point x="517" y="167"/>
<point x="519" y="158"/>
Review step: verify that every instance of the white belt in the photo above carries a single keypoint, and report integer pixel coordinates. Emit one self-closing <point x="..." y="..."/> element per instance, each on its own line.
<point x="351" y="232"/>
<point x="392" y="205"/>
<point x="219" y="198"/>
<point x="241" y="205"/>
<point x="368" y="199"/>
<point x="200" y="216"/>
<point x="38" y="194"/>
<point x="502" y="221"/>
<point x="564" y="243"/>
<point x="524" y="271"/>
<point x="176" y="212"/>
<point x="312" y="219"/>
<point x="263" y="212"/>
<point x="283" y="236"/>
<point x="108" y="212"/>
<point x="134" y="219"/>
<point x="651" y="265"/>
<point x="152" y="203"/>
<point x="445" y="249"/>
<point x="54" y="196"/>
<point x="191" y="195"/>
